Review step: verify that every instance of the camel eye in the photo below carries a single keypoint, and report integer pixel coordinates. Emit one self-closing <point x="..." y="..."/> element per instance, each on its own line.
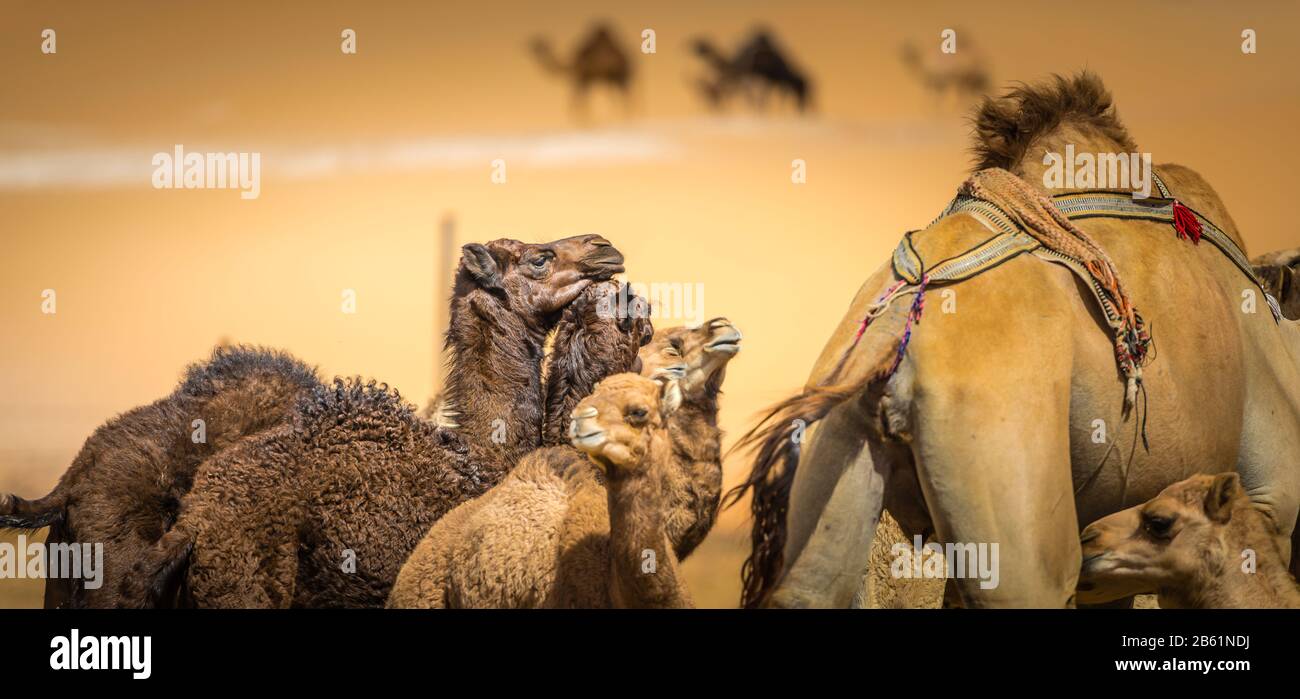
<point x="637" y="415"/>
<point x="1156" y="526"/>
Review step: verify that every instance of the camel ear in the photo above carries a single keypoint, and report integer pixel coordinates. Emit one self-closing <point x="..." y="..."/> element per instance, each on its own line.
<point x="670" y="399"/>
<point x="1218" y="502"/>
<point x="479" y="262"/>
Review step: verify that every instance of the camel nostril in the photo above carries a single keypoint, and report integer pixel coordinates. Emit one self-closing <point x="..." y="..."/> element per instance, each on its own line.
<point x="719" y="323"/>
<point x="581" y="413"/>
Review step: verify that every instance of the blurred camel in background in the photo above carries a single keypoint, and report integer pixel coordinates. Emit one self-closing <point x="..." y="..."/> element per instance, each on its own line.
<point x="758" y="68"/>
<point x="957" y="77"/>
<point x="598" y="59"/>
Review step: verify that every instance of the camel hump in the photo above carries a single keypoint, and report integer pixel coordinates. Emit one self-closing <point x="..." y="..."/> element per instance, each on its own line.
<point x="1189" y="187"/>
<point x="1006" y="126"/>
<point x="231" y="366"/>
<point x="352" y="409"/>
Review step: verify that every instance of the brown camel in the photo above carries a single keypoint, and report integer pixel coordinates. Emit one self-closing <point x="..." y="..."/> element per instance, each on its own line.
<point x="323" y="511"/>
<point x="590" y="343"/>
<point x="984" y="428"/>
<point x="1199" y="544"/>
<point x="124" y="487"/>
<point x="758" y="68"/>
<point x="554" y="534"/>
<point x="961" y="75"/>
<point x="1280" y="272"/>
<point x="598" y="59"/>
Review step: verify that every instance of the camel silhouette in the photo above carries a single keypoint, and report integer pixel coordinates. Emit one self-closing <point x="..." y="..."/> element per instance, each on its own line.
<point x="598" y="59"/>
<point x="758" y="68"/>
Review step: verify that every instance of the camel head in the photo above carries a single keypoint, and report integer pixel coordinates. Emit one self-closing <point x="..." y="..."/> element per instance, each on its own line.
<point x="537" y="281"/>
<point x="697" y="357"/>
<point x="1168" y="542"/>
<point x="623" y="420"/>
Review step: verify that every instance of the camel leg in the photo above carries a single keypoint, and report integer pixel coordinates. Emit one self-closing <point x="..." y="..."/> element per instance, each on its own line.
<point x="993" y="457"/>
<point x="835" y="504"/>
<point x="1269" y="461"/>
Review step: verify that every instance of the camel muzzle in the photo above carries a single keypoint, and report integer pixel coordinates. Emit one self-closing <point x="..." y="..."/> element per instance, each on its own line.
<point x="602" y="264"/>
<point x="726" y="337"/>
<point x="584" y="432"/>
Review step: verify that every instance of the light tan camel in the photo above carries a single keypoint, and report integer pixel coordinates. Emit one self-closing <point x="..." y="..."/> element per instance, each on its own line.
<point x="555" y="533"/>
<point x="986" y="432"/>
<point x="1199" y="544"/>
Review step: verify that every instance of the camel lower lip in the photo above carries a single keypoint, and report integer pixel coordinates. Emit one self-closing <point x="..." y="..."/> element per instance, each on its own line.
<point x="590" y="439"/>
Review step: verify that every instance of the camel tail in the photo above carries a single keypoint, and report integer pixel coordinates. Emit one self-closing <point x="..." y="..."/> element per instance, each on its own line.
<point x="18" y="513"/>
<point x="775" y="441"/>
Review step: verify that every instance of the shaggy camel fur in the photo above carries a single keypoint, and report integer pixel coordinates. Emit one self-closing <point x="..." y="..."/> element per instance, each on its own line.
<point x="1199" y="544"/>
<point x="589" y="344"/>
<point x="124" y="487"/>
<point x="323" y="511"/>
<point x="553" y="534"/>
<point x="1004" y="395"/>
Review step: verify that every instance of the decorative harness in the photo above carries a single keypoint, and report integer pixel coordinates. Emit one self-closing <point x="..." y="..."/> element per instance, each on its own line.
<point x="1024" y="221"/>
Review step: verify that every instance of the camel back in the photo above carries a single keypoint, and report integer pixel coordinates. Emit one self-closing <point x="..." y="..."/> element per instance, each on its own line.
<point x="1023" y="221"/>
<point x="1009" y="238"/>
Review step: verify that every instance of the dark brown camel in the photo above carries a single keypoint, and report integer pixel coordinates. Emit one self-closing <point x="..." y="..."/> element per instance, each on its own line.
<point x="322" y="512"/>
<point x="590" y="343"/>
<point x="125" y="485"/>
<point x="758" y="68"/>
<point x="598" y="59"/>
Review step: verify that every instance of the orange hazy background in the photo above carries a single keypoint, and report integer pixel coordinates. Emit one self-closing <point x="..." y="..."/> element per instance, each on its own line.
<point x="363" y="155"/>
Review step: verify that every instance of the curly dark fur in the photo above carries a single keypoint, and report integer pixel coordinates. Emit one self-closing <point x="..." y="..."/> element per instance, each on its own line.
<point x="323" y="510"/>
<point x="590" y="344"/>
<point x="124" y="487"/>
<point x="240" y="363"/>
<point x="1006" y="126"/>
<point x="355" y="479"/>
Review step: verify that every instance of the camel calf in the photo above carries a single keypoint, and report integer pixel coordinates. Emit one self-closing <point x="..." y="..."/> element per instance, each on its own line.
<point x="605" y="524"/>
<point x="1199" y="544"/>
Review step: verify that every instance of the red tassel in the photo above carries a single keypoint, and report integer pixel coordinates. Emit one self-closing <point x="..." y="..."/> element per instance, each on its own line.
<point x="1186" y="223"/>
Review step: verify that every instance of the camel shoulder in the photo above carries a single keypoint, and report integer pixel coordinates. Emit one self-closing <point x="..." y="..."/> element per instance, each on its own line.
<point x="1189" y="187"/>
<point x="949" y="237"/>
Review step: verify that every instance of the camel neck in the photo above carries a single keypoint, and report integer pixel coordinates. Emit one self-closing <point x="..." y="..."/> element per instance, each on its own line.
<point x="694" y="428"/>
<point x="641" y="557"/>
<point x="694" y="486"/>
<point x="1267" y="586"/>
<point x="494" y="383"/>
